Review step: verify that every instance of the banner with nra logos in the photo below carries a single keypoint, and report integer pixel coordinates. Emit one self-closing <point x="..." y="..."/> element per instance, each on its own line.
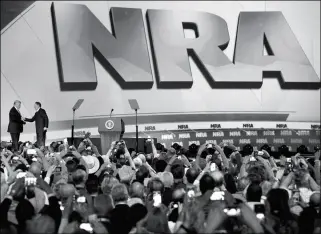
<point x="291" y="134"/>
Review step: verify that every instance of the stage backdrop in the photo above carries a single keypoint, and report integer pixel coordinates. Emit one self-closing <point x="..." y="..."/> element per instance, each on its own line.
<point x="29" y="69"/>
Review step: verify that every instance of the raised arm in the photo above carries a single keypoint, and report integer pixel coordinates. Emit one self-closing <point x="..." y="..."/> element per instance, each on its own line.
<point x="224" y="159"/>
<point x="199" y="153"/>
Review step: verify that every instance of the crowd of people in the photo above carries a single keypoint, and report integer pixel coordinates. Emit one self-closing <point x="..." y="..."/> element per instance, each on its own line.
<point x="203" y="189"/>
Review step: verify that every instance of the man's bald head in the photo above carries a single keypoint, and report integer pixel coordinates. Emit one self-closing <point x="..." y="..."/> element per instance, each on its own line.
<point x="136" y="190"/>
<point x="17" y="104"/>
<point x="142" y="157"/>
<point x="191" y="175"/>
<point x="218" y="178"/>
<point x="35" y="169"/>
<point x="315" y="199"/>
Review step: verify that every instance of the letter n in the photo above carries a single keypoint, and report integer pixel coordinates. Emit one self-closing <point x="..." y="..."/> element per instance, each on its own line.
<point x="79" y="36"/>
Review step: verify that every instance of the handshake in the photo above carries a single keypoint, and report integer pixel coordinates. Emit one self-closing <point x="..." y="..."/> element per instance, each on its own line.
<point x="23" y="119"/>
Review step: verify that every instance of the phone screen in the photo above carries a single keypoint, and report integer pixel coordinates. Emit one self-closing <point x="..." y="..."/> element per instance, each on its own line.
<point x="81" y="199"/>
<point x="260" y="153"/>
<point x="157" y="199"/>
<point x="58" y="169"/>
<point x="87" y="227"/>
<point x="259" y="209"/>
<point x="232" y="211"/>
<point x="217" y="196"/>
<point x="31" y="151"/>
<point x="213" y="167"/>
<point x="252" y="159"/>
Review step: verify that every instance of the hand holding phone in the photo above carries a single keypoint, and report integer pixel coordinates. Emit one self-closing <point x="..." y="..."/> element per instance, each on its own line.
<point x="31" y="151"/>
<point x="87" y="227"/>
<point x="213" y="167"/>
<point x="259" y="209"/>
<point x="232" y="211"/>
<point x="217" y="196"/>
<point x="157" y="198"/>
<point x="81" y="199"/>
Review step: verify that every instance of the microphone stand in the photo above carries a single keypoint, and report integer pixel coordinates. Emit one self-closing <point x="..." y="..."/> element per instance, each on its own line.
<point x="73" y="127"/>
<point x="136" y="132"/>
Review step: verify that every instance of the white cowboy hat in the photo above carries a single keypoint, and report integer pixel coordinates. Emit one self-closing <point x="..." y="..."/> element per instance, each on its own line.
<point x="92" y="163"/>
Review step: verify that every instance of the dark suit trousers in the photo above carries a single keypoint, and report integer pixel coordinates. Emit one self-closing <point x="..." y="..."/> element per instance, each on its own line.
<point x="15" y="139"/>
<point x="41" y="138"/>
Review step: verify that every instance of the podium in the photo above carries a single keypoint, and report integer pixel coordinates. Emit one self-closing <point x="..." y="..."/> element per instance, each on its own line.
<point x="110" y="129"/>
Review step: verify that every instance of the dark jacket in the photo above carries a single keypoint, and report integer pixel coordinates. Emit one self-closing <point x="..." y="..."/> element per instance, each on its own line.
<point x="15" y="122"/>
<point x="41" y="119"/>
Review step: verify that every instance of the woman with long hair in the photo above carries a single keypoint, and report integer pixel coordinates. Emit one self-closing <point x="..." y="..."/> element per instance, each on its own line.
<point x="279" y="216"/>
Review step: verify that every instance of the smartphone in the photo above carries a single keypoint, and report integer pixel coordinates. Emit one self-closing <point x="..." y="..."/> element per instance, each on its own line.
<point x="157" y="198"/>
<point x="34" y="159"/>
<point x="289" y="160"/>
<point x="213" y="167"/>
<point x="259" y="209"/>
<point x="65" y="141"/>
<point x="30" y="181"/>
<point x="61" y="206"/>
<point x="87" y="227"/>
<point x="252" y="159"/>
<point x="190" y="194"/>
<point x="88" y="148"/>
<point x="58" y="169"/>
<point x="179" y="157"/>
<point x="260" y="153"/>
<point x="209" y="146"/>
<point x="232" y="211"/>
<point x="15" y="158"/>
<point x="217" y="196"/>
<point x="31" y="151"/>
<point x="81" y="199"/>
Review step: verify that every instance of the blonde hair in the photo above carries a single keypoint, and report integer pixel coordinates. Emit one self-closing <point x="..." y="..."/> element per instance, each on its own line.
<point x="167" y="179"/>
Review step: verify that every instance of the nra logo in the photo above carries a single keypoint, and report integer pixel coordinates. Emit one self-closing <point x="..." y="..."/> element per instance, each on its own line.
<point x="180" y="127"/>
<point x="80" y="36"/>
<point x="281" y="126"/>
<point x="150" y="128"/>
<point x="247" y="125"/>
<point x="215" y="126"/>
<point x="315" y="126"/>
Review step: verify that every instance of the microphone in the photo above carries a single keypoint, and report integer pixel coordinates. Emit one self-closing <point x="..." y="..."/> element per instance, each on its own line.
<point x="111" y="112"/>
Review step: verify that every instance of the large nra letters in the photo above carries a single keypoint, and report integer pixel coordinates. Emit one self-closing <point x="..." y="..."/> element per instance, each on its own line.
<point x="79" y="36"/>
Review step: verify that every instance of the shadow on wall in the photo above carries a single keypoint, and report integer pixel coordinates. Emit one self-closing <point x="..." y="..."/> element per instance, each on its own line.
<point x="11" y="9"/>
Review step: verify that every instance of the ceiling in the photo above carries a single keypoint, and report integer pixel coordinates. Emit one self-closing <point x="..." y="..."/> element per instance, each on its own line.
<point x="11" y="9"/>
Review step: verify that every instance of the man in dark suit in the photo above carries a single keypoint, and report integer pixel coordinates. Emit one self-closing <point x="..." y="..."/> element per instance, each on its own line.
<point x="15" y="124"/>
<point x="42" y="123"/>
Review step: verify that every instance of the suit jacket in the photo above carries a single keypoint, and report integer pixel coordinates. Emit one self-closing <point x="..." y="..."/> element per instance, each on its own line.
<point x="41" y="119"/>
<point x="15" y="122"/>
